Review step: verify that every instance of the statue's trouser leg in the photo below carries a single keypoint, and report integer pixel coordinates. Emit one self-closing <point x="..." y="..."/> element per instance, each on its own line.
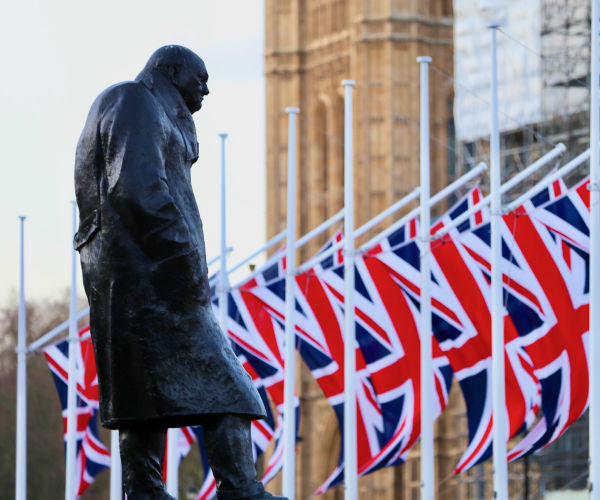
<point x="229" y="449"/>
<point x="142" y="451"/>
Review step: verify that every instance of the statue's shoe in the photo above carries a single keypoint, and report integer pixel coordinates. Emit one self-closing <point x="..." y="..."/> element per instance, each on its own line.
<point x="255" y="491"/>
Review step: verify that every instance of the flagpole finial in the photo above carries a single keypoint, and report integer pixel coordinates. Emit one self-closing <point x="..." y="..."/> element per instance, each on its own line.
<point x="494" y="25"/>
<point x="292" y="110"/>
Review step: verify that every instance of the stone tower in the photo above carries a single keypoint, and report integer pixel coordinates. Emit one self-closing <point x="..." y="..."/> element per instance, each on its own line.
<point x="311" y="45"/>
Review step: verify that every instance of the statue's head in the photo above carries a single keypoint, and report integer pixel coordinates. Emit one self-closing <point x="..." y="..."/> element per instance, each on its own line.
<point x="185" y="70"/>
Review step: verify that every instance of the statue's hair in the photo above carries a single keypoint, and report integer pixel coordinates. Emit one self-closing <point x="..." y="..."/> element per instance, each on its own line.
<point x="171" y="56"/>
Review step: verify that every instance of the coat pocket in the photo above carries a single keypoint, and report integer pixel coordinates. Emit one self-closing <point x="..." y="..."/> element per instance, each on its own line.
<point x="87" y="229"/>
<point x="181" y="281"/>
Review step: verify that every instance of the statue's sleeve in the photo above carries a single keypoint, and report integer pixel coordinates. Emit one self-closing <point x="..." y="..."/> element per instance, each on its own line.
<point x="134" y="144"/>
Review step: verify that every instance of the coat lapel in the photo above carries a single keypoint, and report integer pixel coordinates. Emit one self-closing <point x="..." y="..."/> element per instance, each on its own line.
<point x="176" y="110"/>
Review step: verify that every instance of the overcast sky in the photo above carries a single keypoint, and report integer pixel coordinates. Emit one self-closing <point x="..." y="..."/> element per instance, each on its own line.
<point x="58" y="56"/>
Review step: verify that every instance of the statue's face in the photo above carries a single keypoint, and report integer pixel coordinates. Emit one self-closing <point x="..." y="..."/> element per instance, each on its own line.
<point x="191" y="82"/>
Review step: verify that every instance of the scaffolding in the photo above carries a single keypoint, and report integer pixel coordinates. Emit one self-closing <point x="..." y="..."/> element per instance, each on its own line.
<point x="565" y="59"/>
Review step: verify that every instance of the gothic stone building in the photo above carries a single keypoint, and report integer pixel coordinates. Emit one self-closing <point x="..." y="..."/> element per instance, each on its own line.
<point x="311" y="46"/>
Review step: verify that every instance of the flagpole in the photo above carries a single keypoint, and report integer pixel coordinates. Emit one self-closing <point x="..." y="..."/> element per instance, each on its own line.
<point x="435" y="199"/>
<point x="299" y="243"/>
<point x="289" y="411"/>
<point x="412" y="196"/>
<point x="499" y="431"/>
<point x="72" y="375"/>
<point x="371" y="223"/>
<point x="594" y="357"/>
<point x="172" y="463"/>
<point x="116" y="492"/>
<point x="549" y="179"/>
<point x="21" y="444"/>
<point x="223" y="282"/>
<point x="313" y="233"/>
<point x="427" y="389"/>
<point x="350" y="452"/>
<point x="272" y="242"/>
<point x="504" y="188"/>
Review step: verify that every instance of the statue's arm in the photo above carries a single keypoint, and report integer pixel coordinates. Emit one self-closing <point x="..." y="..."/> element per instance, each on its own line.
<point x="134" y="144"/>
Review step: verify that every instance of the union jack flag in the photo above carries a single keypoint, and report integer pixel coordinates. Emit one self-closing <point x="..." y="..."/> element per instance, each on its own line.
<point x="462" y="266"/>
<point x="387" y="332"/>
<point x="386" y="385"/>
<point x="553" y="232"/>
<point x="318" y="331"/>
<point x="383" y="402"/>
<point x="91" y="456"/>
<point x="395" y="265"/>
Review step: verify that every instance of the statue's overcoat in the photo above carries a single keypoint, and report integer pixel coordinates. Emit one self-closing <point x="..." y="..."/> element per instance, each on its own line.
<point x="160" y="354"/>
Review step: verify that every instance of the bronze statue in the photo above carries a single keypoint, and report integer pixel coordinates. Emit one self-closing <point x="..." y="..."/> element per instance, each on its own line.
<point x="162" y="359"/>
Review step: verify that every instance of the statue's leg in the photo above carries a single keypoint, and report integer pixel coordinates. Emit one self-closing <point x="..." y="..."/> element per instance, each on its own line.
<point x="142" y="452"/>
<point x="229" y="449"/>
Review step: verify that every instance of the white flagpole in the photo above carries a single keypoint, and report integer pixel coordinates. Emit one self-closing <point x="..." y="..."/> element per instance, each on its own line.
<point x="370" y="224"/>
<point x="72" y="382"/>
<point x="116" y="492"/>
<point x="56" y="331"/>
<point x="21" y="444"/>
<point x="549" y="179"/>
<point x="321" y="228"/>
<point x="172" y="463"/>
<point x="435" y="199"/>
<point x="272" y="242"/>
<point x="427" y="389"/>
<point x="594" y="357"/>
<point x="289" y="415"/>
<point x="499" y="431"/>
<point x="350" y="453"/>
<point x="360" y="230"/>
<point x="504" y="188"/>
<point x="223" y="281"/>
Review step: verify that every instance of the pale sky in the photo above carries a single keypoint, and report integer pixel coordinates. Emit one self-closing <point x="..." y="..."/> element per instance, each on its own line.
<point x="58" y="56"/>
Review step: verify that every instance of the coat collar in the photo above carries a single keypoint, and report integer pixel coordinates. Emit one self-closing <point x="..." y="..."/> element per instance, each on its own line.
<point x="166" y="91"/>
<point x="174" y="107"/>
